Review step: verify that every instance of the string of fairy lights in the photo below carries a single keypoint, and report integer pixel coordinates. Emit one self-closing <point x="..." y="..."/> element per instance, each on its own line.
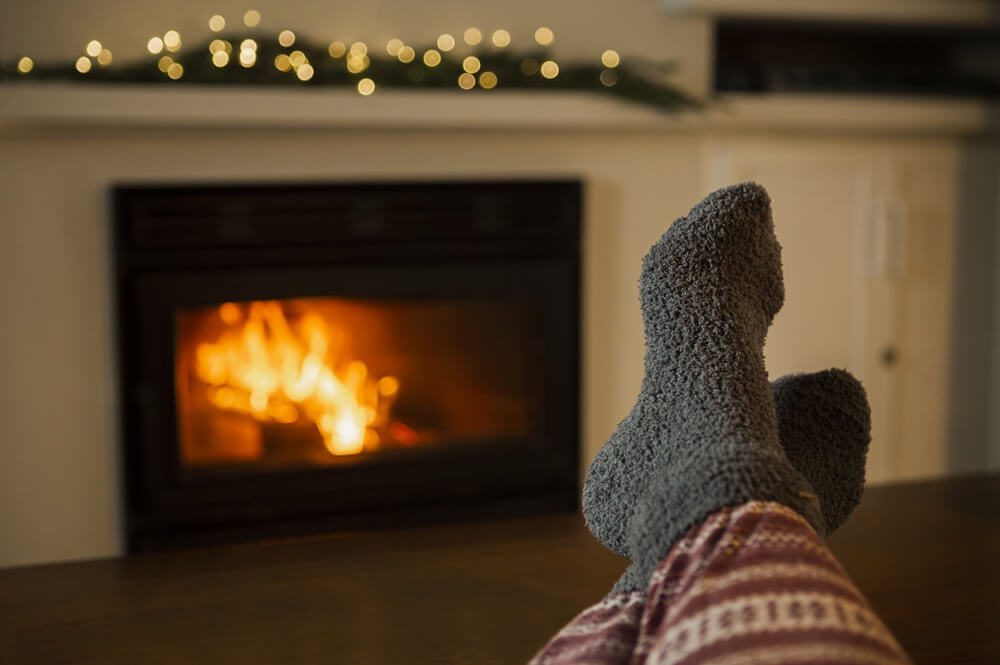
<point x="473" y="60"/>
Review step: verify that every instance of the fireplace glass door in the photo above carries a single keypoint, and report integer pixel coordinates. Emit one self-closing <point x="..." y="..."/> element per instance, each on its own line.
<point x="299" y="359"/>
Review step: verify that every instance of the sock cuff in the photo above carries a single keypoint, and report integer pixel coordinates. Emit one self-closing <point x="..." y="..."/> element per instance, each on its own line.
<point x="672" y="505"/>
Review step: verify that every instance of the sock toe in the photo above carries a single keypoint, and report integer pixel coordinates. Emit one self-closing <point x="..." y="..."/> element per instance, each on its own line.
<point x="824" y="424"/>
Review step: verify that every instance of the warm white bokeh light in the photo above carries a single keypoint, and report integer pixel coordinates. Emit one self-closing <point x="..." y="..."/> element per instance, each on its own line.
<point x="544" y="36"/>
<point x="473" y="36"/>
<point x="610" y="58"/>
<point x="446" y="42"/>
<point x="251" y="19"/>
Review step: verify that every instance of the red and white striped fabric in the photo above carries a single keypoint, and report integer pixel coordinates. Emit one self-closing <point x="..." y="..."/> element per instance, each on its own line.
<point x="751" y="585"/>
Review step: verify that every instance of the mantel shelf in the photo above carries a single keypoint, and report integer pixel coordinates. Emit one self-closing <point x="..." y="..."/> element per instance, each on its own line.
<point x="65" y="105"/>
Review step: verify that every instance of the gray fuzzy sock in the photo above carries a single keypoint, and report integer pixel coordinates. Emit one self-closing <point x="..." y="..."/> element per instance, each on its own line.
<point x="709" y="290"/>
<point x="824" y="425"/>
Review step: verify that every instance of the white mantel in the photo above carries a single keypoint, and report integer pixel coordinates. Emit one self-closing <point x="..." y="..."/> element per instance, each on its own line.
<point x="40" y="105"/>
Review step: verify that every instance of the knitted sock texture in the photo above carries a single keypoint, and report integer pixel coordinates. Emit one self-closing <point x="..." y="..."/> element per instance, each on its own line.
<point x="824" y="427"/>
<point x="709" y="290"/>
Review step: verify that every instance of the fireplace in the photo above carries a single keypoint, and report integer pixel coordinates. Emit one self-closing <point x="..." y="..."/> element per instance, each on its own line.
<point x="298" y="359"/>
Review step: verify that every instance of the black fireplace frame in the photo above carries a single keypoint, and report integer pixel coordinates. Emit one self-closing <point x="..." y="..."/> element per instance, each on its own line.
<point x="178" y="246"/>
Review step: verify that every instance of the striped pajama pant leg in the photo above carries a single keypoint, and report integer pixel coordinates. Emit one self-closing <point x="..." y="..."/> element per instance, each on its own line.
<point x="751" y="585"/>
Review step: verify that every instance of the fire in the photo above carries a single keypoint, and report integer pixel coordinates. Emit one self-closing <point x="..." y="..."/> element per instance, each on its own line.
<point x="265" y="367"/>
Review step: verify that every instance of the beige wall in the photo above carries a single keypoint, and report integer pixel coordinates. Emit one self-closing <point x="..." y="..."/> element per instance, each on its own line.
<point x="60" y="492"/>
<point x="60" y="28"/>
<point x="59" y="480"/>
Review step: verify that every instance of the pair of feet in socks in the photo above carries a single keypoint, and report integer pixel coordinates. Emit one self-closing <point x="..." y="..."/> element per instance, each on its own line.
<point x="708" y="430"/>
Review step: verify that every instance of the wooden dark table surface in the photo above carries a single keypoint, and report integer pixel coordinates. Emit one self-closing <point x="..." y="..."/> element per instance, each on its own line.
<point x="927" y="555"/>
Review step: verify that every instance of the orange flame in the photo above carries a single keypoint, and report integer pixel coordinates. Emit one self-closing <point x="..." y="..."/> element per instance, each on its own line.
<point x="264" y="368"/>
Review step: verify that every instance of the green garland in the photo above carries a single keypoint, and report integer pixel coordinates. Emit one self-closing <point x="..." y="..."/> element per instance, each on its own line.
<point x="636" y="81"/>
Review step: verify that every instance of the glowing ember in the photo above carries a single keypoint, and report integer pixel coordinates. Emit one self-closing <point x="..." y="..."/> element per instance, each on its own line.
<point x="273" y="371"/>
